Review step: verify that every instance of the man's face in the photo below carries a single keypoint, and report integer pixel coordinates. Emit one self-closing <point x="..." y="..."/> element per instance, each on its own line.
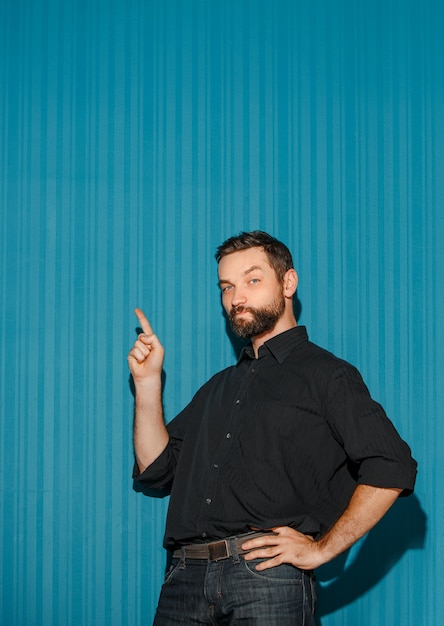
<point x="252" y="296"/>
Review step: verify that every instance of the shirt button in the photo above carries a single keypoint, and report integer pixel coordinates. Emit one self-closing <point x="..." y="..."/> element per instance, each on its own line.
<point x="208" y="500"/>
<point x="216" y="465"/>
<point x="204" y="535"/>
<point x="228" y="435"/>
<point x="237" y="401"/>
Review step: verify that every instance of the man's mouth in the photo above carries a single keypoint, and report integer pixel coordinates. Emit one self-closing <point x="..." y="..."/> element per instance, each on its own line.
<point x="239" y="311"/>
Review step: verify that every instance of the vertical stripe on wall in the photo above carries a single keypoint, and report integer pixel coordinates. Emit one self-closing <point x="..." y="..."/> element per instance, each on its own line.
<point x="136" y="136"/>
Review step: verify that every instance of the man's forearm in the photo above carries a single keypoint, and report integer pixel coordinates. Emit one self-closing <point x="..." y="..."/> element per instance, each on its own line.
<point x="150" y="434"/>
<point x="366" y="507"/>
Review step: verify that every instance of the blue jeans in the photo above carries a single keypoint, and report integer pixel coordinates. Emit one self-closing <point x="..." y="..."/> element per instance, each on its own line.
<point x="232" y="592"/>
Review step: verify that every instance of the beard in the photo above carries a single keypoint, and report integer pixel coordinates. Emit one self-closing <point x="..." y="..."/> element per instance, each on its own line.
<point x="262" y="320"/>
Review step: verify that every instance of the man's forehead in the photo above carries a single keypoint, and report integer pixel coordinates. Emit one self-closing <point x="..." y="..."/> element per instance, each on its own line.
<point x="243" y="261"/>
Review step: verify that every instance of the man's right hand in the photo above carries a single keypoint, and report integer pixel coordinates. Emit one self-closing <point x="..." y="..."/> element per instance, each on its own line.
<point x="145" y="359"/>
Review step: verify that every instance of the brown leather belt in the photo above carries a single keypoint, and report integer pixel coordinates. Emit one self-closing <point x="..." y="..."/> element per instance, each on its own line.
<point x="218" y="550"/>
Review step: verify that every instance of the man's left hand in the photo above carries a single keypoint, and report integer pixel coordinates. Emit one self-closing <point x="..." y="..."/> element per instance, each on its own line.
<point x="286" y="545"/>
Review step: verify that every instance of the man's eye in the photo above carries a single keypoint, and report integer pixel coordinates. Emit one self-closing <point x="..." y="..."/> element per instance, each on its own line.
<point x="254" y="280"/>
<point x="226" y="288"/>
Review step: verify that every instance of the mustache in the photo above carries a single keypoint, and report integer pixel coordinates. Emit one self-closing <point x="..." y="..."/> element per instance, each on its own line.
<point x="240" y="309"/>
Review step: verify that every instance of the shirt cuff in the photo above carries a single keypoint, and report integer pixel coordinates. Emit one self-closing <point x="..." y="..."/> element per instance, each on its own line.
<point x="388" y="474"/>
<point x="159" y="475"/>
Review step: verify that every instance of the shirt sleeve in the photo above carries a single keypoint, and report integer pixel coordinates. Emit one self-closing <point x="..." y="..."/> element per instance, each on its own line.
<point x="373" y="446"/>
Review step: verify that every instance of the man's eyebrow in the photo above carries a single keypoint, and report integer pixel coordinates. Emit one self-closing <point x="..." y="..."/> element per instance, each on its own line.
<point x="244" y="273"/>
<point x="251" y="269"/>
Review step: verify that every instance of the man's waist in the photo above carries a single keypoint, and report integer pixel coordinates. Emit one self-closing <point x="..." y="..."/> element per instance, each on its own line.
<point x="217" y="550"/>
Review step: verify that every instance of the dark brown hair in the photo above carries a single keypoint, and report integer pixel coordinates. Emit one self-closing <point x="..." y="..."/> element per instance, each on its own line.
<point x="279" y="256"/>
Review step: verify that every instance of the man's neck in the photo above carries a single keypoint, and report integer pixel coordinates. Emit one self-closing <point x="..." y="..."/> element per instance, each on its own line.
<point x="281" y="327"/>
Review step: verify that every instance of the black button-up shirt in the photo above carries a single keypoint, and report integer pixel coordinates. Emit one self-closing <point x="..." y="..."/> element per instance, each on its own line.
<point x="281" y="440"/>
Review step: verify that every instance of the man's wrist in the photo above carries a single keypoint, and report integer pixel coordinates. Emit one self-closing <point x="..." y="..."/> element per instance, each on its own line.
<point x="148" y="384"/>
<point x="324" y="549"/>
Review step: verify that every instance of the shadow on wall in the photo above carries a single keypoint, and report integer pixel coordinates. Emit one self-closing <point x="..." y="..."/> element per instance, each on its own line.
<point x="403" y="528"/>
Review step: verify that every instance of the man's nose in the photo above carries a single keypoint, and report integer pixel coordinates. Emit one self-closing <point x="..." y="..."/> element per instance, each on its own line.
<point x="238" y="297"/>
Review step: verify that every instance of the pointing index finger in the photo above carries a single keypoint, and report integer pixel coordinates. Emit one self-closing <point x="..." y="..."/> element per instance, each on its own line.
<point x="146" y="326"/>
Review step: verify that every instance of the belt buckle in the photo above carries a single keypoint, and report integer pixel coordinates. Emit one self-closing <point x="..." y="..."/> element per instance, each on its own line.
<point x="218" y="550"/>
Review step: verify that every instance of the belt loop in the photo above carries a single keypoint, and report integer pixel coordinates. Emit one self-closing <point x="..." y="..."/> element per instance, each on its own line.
<point x="182" y="562"/>
<point x="233" y="549"/>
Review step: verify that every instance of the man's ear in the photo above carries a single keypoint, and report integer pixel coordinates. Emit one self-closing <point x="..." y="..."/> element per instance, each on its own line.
<point x="290" y="283"/>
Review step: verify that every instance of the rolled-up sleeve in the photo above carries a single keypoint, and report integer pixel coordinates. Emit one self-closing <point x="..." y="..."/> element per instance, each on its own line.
<point x="160" y="474"/>
<point x="370" y="440"/>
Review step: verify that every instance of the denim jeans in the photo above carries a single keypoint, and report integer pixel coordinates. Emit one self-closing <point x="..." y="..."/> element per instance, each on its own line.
<point x="231" y="592"/>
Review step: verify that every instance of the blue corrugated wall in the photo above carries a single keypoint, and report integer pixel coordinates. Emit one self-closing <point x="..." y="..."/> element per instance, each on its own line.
<point x="134" y="137"/>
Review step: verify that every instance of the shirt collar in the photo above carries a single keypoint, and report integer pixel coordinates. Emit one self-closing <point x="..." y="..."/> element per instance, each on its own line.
<point x="280" y="346"/>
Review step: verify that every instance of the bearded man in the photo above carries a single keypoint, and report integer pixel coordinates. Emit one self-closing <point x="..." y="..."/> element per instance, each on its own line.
<point x="278" y="464"/>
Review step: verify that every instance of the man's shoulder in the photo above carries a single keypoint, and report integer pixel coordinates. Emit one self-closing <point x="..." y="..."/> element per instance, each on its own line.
<point x="316" y="357"/>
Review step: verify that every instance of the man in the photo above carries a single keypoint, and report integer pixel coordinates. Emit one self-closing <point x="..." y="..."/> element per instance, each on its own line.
<point x="277" y="465"/>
